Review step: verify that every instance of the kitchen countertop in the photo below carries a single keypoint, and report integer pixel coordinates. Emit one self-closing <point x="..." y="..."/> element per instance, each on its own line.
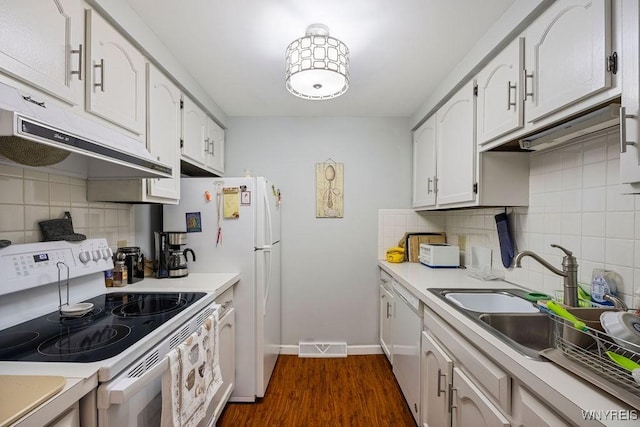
<point x="79" y="382"/>
<point x="567" y="392"/>
<point x="215" y="283"/>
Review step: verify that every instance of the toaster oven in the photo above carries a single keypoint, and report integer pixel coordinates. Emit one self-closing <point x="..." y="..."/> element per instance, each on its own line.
<point x="439" y="255"/>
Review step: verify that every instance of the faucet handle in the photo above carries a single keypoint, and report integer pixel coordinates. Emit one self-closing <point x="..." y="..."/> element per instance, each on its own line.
<point x="566" y="251"/>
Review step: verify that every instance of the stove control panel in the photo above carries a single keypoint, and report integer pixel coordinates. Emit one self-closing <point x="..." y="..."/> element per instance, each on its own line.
<point x="36" y="264"/>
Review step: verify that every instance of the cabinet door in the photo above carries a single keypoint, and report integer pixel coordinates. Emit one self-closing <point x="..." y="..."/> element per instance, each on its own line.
<point x="470" y="407"/>
<point x="164" y="127"/>
<point x="456" y="148"/>
<point x="531" y="412"/>
<point x="500" y="108"/>
<point x="386" y="319"/>
<point x="424" y="164"/>
<point x="437" y="370"/>
<point x="566" y="55"/>
<point x="115" y="89"/>
<point x="630" y="154"/>
<point x="215" y="146"/>
<point x="226" y="349"/>
<point x="194" y="122"/>
<point x="41" y="43"/>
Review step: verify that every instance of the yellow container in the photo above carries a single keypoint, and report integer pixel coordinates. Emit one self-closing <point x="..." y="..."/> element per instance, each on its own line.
<point x="395" y="254"/>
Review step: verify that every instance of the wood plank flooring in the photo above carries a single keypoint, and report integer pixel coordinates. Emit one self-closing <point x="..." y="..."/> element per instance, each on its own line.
<point x="310" y="392"/>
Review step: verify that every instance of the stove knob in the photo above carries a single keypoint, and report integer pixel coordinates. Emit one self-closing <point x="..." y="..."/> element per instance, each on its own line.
<point x="85" y="257"/>
<point x="96" y="255"/>
<point x="107" y="253"/>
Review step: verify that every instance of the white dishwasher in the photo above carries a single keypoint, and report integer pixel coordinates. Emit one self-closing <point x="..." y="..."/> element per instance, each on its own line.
<point x="407" y="330"/>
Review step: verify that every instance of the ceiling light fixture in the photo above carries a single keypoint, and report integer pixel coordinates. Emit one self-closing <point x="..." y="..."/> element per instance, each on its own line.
<point x="317" y="65"/>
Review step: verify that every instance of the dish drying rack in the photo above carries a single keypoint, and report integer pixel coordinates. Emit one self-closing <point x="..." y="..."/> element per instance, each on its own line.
<point x="590" y="362"/>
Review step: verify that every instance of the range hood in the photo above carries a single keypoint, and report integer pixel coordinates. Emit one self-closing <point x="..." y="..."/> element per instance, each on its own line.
<point x="594" y="121"/>
<point x="33" y="133"/>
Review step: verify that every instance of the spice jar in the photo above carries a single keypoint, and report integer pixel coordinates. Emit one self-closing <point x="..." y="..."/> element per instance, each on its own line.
<point x="120" y="275"/>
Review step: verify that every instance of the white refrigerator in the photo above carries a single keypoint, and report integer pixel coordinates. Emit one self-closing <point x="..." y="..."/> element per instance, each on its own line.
<point x="249" y="244"/>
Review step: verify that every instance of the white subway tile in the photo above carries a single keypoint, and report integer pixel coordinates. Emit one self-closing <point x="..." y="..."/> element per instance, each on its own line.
<point x="619" y="252"/>
<point x="78" y="196"/>
<point x="36" y="192"/>
<point x="572" y="201"/>
<point x="572" y="178"/>
<point x="594" y="175"/>
<point x="594" y="199"/>
<point x="553" y="202"/>
<point x="61" y="179"/>
<point x="594" y="224"/>
<point x="594" y="151"/>
<point x="96" y="218"/>
<point x="619" y="202"/>
<point x="35" y="174"/>
<point x="11" y="218"/>
<point x="553" y="181"/>
<point x="60" y="194"/>
<point x="613" y="172"/>
<point x="15" y="171"/>
<point x="80" y="217"/>
<point x="620" y="225"/>
<point x="11" y="190"/>
<point x="33" y="215"/>
<point x="572" y="224"/>
<point x="593" y="249"/>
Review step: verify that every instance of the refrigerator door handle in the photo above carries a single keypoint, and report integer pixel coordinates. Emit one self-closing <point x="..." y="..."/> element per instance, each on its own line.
<point x="266" y="248"/>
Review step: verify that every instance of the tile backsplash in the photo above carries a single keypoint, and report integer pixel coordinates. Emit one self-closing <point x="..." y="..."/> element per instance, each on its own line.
<point x="28" y="196"/>
<point x="574" y="201"/>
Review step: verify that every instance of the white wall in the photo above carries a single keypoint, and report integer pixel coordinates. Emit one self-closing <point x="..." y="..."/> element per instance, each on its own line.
<point x="329" y="273"/>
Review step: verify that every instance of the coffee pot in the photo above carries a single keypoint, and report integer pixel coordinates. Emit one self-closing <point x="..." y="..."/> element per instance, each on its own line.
<point x="178" y="261"/>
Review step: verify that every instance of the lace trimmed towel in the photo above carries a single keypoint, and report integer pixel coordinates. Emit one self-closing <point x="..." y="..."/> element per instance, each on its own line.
<point x="193" y="377"/>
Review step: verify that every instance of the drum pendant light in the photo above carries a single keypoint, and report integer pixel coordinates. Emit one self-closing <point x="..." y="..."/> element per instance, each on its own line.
<point x="317" y="65"/>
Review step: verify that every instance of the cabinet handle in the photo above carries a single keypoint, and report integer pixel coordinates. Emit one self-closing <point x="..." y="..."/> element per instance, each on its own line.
<point x="435" y="184"/>
<point x="206" y="145"/>
<point x="388" y="310"/>
<point x="101" y="66"/>
<point x="79" y="52"/>
<point x="212" y="150"/>
<point x="440" y="375"/>
<point x="623" y="129"/>
<point x="429" y="181"/>
<point x="511" y="103"/>
<point x="452" y="390"/>
<point x="526" y="90"/>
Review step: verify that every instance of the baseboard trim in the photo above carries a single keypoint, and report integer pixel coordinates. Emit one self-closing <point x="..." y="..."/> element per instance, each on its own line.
<point x="352" y="350"/>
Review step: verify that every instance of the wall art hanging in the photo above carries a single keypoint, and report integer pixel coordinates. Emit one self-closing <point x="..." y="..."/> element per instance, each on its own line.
<point x="329" y="189"/>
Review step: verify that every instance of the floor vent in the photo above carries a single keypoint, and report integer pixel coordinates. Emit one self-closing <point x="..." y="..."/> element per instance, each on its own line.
<point x="322" y="349"/>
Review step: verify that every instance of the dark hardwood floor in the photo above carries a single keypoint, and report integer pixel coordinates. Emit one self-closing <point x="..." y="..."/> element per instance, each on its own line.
<point x="309" y="392"/>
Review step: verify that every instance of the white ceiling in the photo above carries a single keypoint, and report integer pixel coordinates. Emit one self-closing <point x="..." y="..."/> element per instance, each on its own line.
<point x="399" y="50"/>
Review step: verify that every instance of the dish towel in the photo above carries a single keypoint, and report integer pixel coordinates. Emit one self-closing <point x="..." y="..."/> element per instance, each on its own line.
<point x="193" y="377"/>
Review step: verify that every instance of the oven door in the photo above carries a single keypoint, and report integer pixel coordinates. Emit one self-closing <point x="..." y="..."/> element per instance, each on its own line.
<point x="134" y="398"/>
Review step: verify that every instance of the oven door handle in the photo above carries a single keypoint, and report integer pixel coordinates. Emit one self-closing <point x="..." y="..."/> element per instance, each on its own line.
<point x="118" y="391"/>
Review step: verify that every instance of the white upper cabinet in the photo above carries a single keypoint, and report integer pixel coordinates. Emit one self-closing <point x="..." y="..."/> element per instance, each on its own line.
<point x="456" y="147"/>
<point x="116" y="76"/>
<point x="567" y="50"/>
<point x="499" y="104"/>
<point x="164" y="128"/>
<point x="194" y="130"/>
<point x="215" y="146"/>
<point x="424" y="164"/>
<point x="42" y="43"/>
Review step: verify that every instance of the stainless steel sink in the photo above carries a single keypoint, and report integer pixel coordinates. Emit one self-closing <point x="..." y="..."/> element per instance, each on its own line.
<point x="527" y="332"/>
<point x="506" y="314"/>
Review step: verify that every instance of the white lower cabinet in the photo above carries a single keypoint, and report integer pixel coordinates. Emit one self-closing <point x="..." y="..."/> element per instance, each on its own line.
<point x="470" y="406"/>
<point x="437" y="371"/>
<point x="227" y="353"/>
<point x="460" y="386"/>
<point x="529" y="411"/>
<point x="386" y="315"/>
<point x="69" y="418"/>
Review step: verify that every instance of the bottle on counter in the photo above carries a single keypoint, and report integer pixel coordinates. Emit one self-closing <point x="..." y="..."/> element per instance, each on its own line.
<point x="120" y="275"/>
<point x="108" y="278"/>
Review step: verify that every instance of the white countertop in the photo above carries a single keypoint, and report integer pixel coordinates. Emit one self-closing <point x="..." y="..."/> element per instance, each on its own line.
<point x="568" y="393"/>
<point x="82" y="378"/>
<point x="215" y="283"/>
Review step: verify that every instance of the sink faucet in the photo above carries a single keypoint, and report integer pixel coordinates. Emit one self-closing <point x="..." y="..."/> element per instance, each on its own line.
<point x="569" y="272"/>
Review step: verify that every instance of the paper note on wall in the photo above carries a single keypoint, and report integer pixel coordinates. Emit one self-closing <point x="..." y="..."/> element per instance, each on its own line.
<point x="231" y="202"/>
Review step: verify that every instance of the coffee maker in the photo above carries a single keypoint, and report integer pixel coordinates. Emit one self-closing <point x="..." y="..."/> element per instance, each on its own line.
<point x="171" y="257"/>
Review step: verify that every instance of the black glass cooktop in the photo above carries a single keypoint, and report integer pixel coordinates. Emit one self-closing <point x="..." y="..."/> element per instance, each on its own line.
<point x="117" y="321"/>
